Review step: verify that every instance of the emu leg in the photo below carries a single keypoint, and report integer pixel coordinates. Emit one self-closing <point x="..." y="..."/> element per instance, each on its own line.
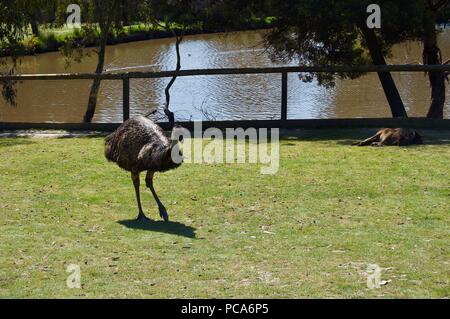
<point x="162" y="209"/>
<point x="135" y="178"/>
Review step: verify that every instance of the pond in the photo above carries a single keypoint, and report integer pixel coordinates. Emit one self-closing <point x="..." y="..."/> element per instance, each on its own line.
<point x="223" y="97"/>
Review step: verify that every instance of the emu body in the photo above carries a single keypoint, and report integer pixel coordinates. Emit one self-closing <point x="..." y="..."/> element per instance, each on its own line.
<point x="140" y="145"/>
<point x="392" y="136"/>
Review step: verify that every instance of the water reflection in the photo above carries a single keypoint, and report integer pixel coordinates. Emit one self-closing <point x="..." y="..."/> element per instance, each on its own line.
<point x="214" y="97"/>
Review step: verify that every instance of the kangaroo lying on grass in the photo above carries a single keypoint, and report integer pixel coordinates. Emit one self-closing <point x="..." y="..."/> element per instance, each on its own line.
<point x="392" y="136"/>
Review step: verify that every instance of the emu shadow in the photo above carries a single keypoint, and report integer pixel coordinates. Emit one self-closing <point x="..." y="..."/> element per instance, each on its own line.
<point x="173" y="228"/>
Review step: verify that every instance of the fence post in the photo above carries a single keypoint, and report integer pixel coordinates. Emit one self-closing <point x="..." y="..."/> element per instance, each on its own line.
<point x="126" y="98"/>
<point x="284" y="84"/>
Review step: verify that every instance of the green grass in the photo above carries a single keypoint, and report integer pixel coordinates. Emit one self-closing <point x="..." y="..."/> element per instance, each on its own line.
<point x="53" y="38"/>
<point x="308" y="231"/>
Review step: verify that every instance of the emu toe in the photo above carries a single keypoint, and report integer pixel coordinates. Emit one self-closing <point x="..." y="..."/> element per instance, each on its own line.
<point x="142" y="218"/>
<point x="163" y="213"/>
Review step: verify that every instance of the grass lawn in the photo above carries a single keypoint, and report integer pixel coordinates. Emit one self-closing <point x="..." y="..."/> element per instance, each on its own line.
<point x="309" y="231"/>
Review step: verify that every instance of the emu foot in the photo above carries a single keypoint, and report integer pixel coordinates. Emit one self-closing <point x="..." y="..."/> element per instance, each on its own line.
<point x="142" y="218"/>
<point x="163" y="213"/>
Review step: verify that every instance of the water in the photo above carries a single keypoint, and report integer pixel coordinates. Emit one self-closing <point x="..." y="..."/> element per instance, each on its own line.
<point x="212" y="97"/>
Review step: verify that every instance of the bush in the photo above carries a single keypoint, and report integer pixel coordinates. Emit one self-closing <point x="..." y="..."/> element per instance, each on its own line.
<point x="32" y="45"/>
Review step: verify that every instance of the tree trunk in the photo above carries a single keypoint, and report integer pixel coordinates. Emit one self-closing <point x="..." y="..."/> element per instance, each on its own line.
<point x="125" y="13"/>
<point x="389" y="87"/>
<point x="432" y="55"/>
<point x="34" y="27"/>
<point x="52" y="12"/>
<point x="167" y="111"/>
<point x="92" y="103"/>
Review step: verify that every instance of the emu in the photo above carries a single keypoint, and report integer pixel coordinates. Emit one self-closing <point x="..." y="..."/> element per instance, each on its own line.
<point x="140" y="145"/>
<point x="392" y="136"/>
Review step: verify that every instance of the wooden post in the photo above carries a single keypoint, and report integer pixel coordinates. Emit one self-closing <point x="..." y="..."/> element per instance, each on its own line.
<point x="126" y="98"/>
<point x="284" y="81"/>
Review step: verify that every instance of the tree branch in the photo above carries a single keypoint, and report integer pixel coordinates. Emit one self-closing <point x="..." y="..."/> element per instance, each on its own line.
<point x="178" y="39"/>
<point x="438" y="5"/>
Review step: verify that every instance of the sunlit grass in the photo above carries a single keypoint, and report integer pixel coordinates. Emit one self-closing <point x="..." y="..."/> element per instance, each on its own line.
<point x="309" y="231"/>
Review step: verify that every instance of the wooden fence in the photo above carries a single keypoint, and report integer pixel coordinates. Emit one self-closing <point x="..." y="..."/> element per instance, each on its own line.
<point x="284" y="71"/>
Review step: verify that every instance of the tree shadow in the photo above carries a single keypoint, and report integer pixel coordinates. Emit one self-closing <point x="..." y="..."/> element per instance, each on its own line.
<point x="349" y="142"/>
<point x="160" y="226"/>
<point x="6" y="141"/>
<point x="83" y="135"/>
<point x="428" y="139"/>
<point x="313" y="135"/>
<point x="350" y="136"/>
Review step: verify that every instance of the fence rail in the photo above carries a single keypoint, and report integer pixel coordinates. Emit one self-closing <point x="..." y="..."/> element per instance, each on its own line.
<point x="284" y="71"/>
<point x="229" y="71"/>
<point x="411" y="122"/>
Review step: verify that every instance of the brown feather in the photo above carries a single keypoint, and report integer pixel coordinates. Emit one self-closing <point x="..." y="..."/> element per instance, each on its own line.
<point x="138" y="145"/>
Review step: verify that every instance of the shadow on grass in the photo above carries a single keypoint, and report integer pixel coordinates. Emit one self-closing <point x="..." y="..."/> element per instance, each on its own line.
<point x="8" y="142"/>
<point x="350" y="136"/>
<point x="324" y="134"/>
<point x="426" y="141"/>
<point x="173" y="228"/>
<point x="81" y="135"/>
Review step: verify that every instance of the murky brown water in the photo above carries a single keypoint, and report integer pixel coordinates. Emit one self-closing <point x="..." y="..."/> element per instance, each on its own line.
<point x="219" y="97"/>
